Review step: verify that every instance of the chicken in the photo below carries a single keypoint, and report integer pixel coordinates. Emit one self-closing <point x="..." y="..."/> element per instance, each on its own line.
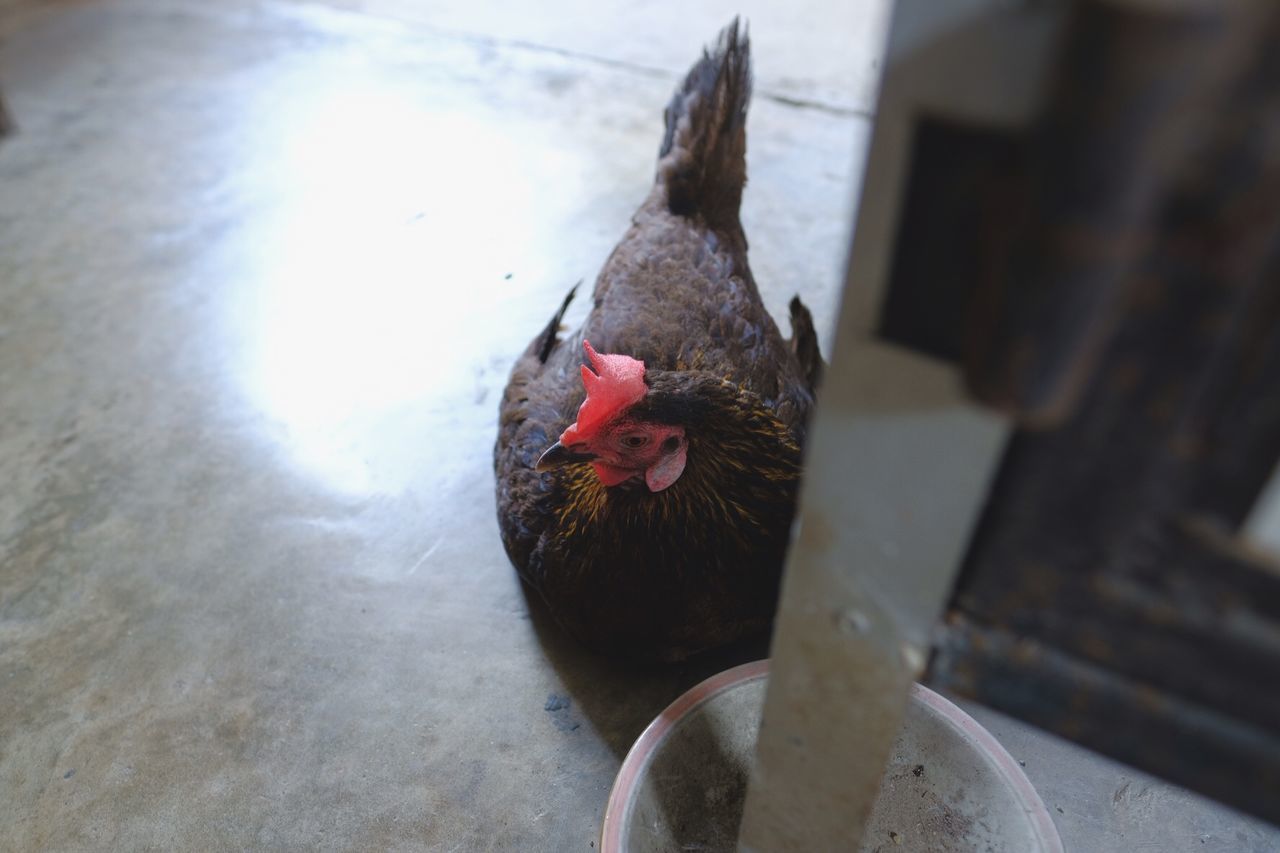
<point x="647" y="465"/>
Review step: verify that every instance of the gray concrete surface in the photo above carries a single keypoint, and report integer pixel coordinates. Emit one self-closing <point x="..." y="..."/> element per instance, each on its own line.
<point x="263" y="267"/>
<point x="1100" y="805"/>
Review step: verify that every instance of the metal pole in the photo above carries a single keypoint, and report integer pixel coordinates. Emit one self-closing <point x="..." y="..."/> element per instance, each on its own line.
<point x="899" y="462"/>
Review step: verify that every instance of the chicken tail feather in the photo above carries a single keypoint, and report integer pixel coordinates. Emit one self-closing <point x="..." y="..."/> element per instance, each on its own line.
<point x="547" y="341"/>
<point x="804" y="343"/>
<point x="702" y="162"/>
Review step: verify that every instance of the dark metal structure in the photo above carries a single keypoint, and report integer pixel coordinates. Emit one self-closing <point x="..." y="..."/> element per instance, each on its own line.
<point x="1108" y="277"/>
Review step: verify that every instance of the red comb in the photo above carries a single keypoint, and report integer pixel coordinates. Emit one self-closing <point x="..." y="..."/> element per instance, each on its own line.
<point x="618" y="382"/>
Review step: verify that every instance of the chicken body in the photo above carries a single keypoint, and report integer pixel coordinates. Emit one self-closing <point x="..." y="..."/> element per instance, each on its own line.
<point x="651" y="567"/>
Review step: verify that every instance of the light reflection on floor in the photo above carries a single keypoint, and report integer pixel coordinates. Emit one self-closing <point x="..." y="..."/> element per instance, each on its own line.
<point x="374" y="273"/>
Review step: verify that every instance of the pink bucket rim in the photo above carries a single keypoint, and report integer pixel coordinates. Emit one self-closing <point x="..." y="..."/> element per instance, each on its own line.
<point x="641" y="753"/>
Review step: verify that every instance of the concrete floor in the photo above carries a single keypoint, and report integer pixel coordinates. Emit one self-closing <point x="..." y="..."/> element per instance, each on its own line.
<point x="263" y="266"/>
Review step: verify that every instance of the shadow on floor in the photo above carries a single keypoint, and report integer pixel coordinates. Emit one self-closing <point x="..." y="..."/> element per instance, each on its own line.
<point x="620" y="698"/>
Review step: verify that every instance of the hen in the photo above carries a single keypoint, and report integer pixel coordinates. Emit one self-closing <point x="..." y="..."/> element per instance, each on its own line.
<point x="655" y="520"/>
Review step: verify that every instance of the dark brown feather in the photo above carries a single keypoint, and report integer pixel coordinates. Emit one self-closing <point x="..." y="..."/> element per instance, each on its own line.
<point x="670" y="573"/>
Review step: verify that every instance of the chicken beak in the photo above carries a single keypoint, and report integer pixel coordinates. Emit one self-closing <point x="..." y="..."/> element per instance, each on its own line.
<point x="557" y="455"/>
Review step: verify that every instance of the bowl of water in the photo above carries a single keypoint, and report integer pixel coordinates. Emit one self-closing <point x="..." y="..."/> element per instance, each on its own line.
<point x="949" y="786"/>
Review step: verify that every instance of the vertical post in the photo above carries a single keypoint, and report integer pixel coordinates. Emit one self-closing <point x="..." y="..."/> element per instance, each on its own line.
<point x="899" y="461"/>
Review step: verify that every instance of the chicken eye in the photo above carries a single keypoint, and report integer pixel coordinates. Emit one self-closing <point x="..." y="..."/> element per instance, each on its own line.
<point x="635" y="440"/>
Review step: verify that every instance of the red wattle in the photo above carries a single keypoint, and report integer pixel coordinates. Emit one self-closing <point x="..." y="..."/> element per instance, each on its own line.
<point x="611" y="475"/>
